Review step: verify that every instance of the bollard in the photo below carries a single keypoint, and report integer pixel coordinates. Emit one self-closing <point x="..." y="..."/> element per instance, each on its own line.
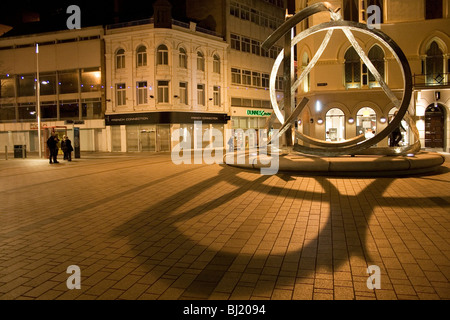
<point x="6" y="152"/>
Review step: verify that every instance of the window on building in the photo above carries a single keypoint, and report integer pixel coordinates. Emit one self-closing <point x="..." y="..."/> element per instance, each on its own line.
<point x="121" y="94"/>
<point x="163" y="92"/>
<point x="141" y="56"/>
<point x="256" y="79"/>
<point x="235" y="42"/>
<point x="69" y="110"/>
<point x="91" y="108"/>
<point x="216" y="96"/>
<point x="279" y="84"/>
<point x="376" y="56"/>
<point x="245" y="13"/>
<point x="183" y="93"/>
<point x="27" y="111"/>
<point x="7" y="87"/>
<point x="236" y="76"/>
<point x="162" y="55"/>
<point x="26" y="85"/>
<point x="49" y="111"/>
<point x="200" y="61"/>
<point x="352" y="69"/>
<point x="216" y="64"/>
<point x="68" y="82"/>
<point x="182" y="58"/>
<point x="434" y="64"/>
<point x="246" y="45"/>
<point x="7" y="113"/>
<point x="234" y="9"/>
<point x="201" y="98"/>
<point x="351" y="12"/>
<point x="256" y="47"/>
<point x="120" y="59"/>
<point x="335" y="125"/>
<point x="433" y="9"/>
<point x="273" y="52"/>
<point x="265" y="80"/>
<point x="246" y="77"/>
<point x="254" y="16"/>
<point x="366" y="122"/>
<point x="90" y="80"/>
<point x="236" y="102"/>
<point x="142" y="90"/>
<point x="264" y="53"/>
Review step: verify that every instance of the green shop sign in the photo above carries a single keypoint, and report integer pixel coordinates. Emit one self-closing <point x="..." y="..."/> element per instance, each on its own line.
<point x="258" y="113"/>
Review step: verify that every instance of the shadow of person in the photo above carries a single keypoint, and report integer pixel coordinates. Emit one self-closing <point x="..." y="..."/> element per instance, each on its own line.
<point x="226" y="231"/>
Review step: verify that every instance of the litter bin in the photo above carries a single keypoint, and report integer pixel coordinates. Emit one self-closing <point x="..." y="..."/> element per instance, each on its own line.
<point x="20" y="151"/>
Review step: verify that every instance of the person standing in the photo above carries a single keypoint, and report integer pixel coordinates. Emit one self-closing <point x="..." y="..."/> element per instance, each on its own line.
<point x="52" y="144"/>
<point x="396" y="136"/>
<point x="68" y="149"/>
<point x="63" y="147"/>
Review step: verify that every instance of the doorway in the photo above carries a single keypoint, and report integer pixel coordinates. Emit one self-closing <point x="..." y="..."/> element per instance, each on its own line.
<point x="148" y="140"/>
<point x="434" y="126"/>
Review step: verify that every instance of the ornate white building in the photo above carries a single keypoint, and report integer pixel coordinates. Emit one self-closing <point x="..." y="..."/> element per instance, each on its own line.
<point x="163" y="75"/>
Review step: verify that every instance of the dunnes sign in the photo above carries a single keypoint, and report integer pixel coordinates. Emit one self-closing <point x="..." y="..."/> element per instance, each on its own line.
<point x="258" y="113"/>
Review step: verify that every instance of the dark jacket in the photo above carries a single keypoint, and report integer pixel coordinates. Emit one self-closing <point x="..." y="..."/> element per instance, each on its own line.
<point x="52" y="143"/>
<point x="68" y="145"/>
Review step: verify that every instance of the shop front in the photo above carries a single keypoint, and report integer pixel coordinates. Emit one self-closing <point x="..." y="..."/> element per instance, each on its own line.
<point x="152" y="131"/>
<point x="250" y="122"/>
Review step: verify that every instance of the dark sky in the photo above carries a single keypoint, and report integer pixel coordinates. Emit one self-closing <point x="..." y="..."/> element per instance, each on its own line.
<point x="93" y="12"/>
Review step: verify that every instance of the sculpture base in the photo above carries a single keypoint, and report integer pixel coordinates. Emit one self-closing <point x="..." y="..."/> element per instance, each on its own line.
<point x="360" y="165"/>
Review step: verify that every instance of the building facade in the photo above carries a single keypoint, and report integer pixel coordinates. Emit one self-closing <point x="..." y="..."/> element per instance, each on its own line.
<point x="245" y="25"/>
<point x="345" y="98"/>
<point x="70" y="65"/>
<point x="164" y="76"/>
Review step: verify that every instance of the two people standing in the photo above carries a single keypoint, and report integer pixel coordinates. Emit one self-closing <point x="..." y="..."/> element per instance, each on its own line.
<point x="66" y="147"/>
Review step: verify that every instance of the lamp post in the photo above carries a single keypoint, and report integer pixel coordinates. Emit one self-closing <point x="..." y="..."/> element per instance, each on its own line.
<point x="38" y="102"/>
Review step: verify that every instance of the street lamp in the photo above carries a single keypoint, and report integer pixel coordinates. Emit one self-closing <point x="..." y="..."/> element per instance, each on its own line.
<point x="38" y="104"/>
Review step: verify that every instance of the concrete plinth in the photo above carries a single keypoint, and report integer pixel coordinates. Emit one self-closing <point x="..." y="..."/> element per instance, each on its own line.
<point x="363" y="165"/>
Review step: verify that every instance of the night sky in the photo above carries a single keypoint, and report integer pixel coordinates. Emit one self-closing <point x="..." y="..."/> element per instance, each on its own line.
<point x="53" y="13"/>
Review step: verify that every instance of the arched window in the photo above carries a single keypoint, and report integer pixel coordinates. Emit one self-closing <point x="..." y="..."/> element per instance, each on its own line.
<point x="434" y="64"/>
<point x="335" y="125"/>
<point x="216" y="64"/>
<point x="200" y="61"/>
<point x="376" y="56"/>
<point x="141" y="56"/>
<point x="162" y="55"/>
<point x="182" y="58"/>
<point x="120" y="59"/>
<point x="366" y="122"/>
<point x="352" y="69"/>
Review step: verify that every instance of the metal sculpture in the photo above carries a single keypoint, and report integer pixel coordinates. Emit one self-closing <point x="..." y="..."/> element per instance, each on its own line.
<point x="357" y="145"/>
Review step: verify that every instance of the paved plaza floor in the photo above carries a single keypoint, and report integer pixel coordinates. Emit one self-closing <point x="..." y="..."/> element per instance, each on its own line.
<point x="140" y="227"/>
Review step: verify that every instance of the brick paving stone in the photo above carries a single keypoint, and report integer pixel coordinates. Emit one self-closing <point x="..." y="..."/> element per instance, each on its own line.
<point x="213" y="232"/>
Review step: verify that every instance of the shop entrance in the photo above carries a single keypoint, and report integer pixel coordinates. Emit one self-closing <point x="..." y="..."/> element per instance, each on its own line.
<point x="434" y="126"/>
<point x="148" y="140"/>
